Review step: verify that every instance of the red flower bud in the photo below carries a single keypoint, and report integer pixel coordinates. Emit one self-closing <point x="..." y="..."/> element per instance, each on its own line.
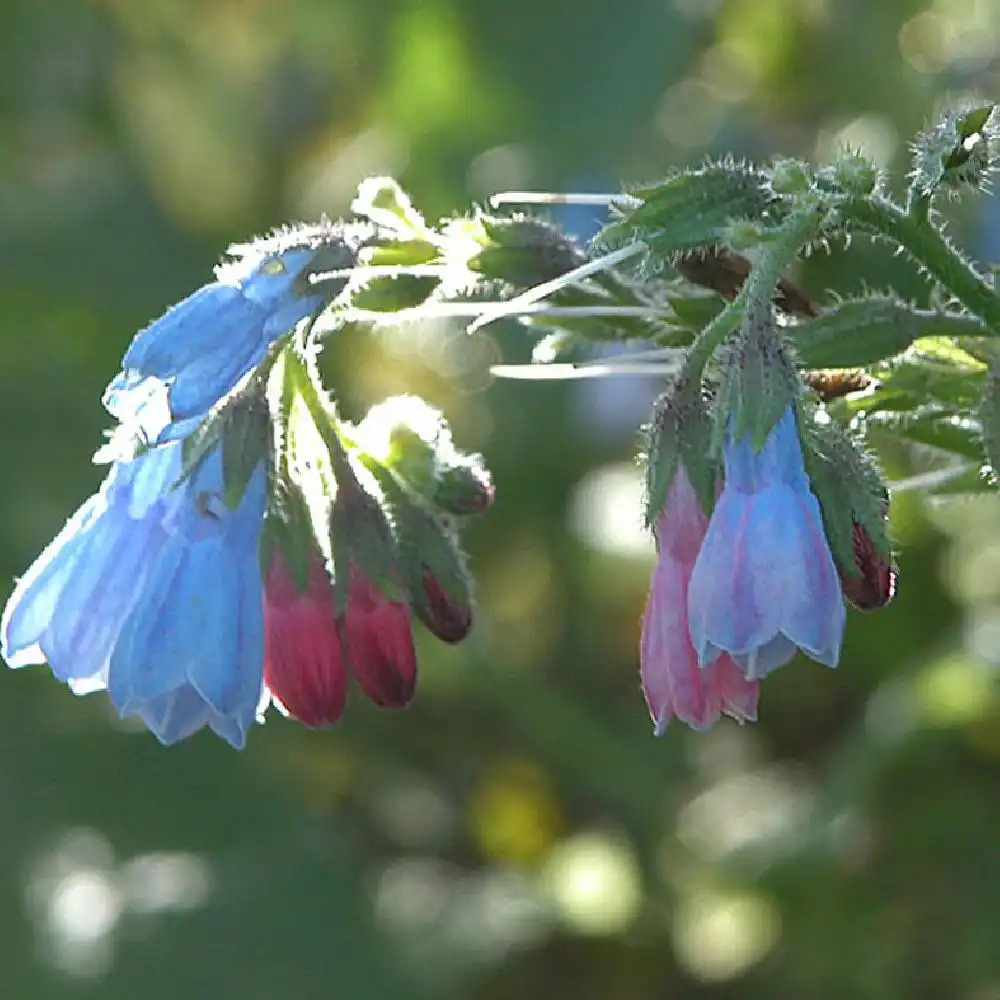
<point x="874" y="584"/>
<point x="379" y="643"/>
<point x="449" y="619"/>
<point x="303" y="664"/>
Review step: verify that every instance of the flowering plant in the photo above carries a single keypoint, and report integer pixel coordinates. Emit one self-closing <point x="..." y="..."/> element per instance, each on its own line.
<point x="250" y="545"/>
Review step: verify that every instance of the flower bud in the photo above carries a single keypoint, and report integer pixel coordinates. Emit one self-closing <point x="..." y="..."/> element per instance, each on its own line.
<point x="959" y="152"/>
<point x="855" y="174"/>
<point x="304" y="665"/>
<point x="413" y="441"/>
<point x="430" y="562"/>
<point x="855" y="506"/>
<point x="523" y="251"/>
<point x="790" y="177"/>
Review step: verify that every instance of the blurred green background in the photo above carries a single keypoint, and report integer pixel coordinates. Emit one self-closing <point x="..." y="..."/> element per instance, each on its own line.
<point x="518" y="832"/>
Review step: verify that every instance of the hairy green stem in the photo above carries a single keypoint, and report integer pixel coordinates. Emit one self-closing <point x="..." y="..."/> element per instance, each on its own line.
<point x="928" y="247"/>
<point x="775" y="257"/>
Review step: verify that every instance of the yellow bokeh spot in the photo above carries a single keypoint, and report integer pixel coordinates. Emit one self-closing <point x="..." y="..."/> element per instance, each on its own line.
<point x="514" y="814"/>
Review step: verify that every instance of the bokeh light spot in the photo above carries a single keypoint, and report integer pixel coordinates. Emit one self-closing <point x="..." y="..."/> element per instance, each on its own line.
<point x="718" y="936"/>
<point x="593" y="881"/>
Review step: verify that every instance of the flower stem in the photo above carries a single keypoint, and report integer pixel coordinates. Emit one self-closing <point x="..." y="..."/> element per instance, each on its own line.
<point x="759" y="289"/>
<point x="928" y="247"/>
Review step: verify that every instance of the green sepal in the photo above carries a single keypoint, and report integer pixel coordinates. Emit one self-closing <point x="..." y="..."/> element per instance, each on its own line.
<point x="849" y="486"/>
<point x="400" y="253"/>
<point x="245" y="445"/>
<point x="424" y="543"/>
<point x="523" y="251"/>
<point x="759" y="381"/>
<point x="392" y="293"/>
<point x="413" y="441"/>
<point x="385" y="203"/>
<point x="790" y="177"/>
<point x="302" y="482"/>
<point x="463" y="485"/>
<point x="404" y="434"/>
<point x="854" y="174"/>
<point x="288" y="528"/>
<point x="240" y="428"/>
<point x="360" y="535"/>
<point x="679" y="432"/>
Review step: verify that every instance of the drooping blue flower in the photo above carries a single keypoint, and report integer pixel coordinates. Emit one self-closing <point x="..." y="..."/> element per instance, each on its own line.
<point x="153" y="592"/>
<point x="183" y="363"/>
<point x="764" y="582"/>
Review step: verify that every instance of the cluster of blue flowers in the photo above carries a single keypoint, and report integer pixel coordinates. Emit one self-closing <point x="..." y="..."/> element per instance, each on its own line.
<point x="152" y="590"/>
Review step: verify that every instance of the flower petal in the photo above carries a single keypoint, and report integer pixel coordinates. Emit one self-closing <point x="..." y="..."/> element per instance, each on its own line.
<point x="672" y="680"/>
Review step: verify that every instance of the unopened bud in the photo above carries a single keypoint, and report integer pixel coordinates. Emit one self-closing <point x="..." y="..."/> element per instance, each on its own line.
<point x="960" y="151"/>
<point x="855" y="174"/>
<point x="413" y="441"/>
<point x="524" y="251"/>
<point x="790" y="177"/>
<point x="431" y="564"/>
<point x="855" y="507"/>
<point x="464" y="487"/>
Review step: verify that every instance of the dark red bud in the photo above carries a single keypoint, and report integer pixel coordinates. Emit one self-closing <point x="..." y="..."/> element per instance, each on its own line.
<point x="379" y="643"/>
<point x="448" y="619"/>
<point x="465" y="489"/>
<point x="874" y="584"/>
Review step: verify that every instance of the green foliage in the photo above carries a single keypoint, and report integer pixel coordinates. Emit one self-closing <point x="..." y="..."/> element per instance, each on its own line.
<point x="444" y="852"/>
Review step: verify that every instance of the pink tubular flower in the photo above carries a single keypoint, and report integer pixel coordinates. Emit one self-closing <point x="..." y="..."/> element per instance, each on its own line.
<point x="303" y="665"/>
<point x="672" y="681"/>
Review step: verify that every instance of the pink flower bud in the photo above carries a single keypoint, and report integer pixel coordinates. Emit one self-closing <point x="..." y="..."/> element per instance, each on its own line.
<point x="672" y="680"/>
<point x="304" y="665"/>
<point x="379" y="643"/>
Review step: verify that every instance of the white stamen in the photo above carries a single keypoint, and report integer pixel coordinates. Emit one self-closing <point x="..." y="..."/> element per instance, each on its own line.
<point x="563" y="198"/>
<point x="515" y="305"/>
<point x="570" y="370"/>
